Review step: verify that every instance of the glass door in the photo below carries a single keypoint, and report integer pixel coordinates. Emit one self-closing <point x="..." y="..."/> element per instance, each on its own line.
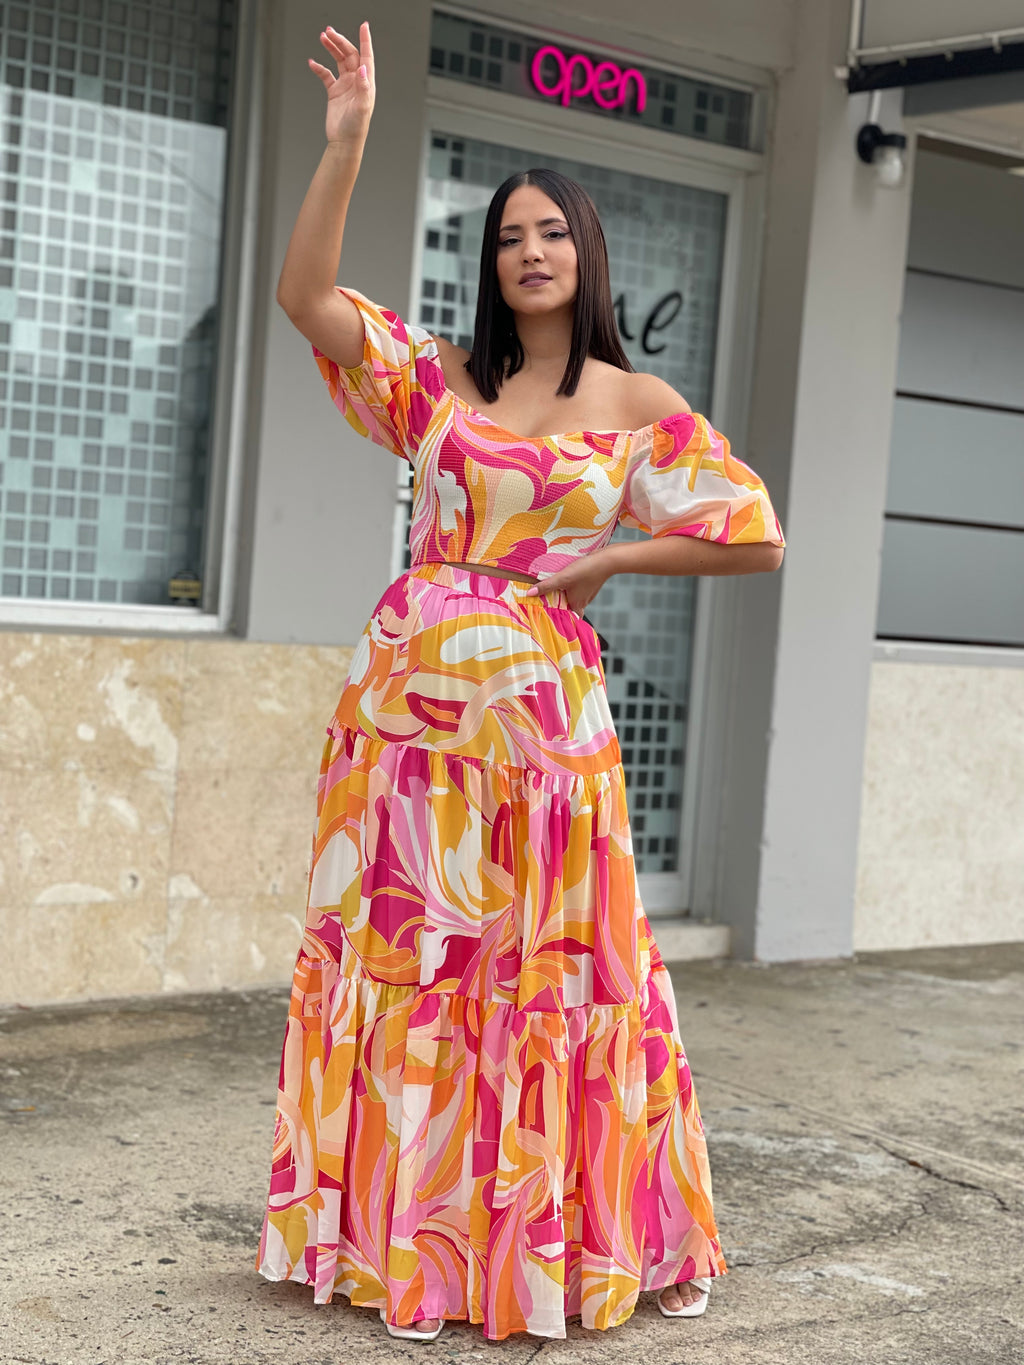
<point x="666" y="246"/>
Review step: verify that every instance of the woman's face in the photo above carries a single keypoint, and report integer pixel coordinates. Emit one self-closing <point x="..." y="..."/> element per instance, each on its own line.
<point x="537" y="266"/>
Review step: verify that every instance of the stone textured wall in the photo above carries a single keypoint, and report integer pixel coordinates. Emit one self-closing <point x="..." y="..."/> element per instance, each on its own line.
<point x="157" y="800"/>
<point x="941" y="854"/>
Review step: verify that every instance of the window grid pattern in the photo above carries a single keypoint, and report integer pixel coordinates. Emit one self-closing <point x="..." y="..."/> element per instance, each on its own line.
<point x="113" y="145"/>
<point x="664" y="240"/>
<point x="484" y="54"/>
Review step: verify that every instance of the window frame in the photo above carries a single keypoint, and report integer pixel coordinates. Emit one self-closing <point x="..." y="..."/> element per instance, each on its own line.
<point x="216" y="612"/>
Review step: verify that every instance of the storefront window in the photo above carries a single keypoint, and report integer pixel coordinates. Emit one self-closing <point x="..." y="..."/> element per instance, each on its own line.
<point x="114" y="131"/>
<point x="665" y="244"/>
<point x="569" y="75"/>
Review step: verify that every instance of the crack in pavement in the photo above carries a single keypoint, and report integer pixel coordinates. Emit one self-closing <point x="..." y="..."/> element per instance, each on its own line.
<point x="938" y="1175"/>
<point x="857" y="1238"/>
<point x="922" y="1210"/>
<point x="874" y="1135"/>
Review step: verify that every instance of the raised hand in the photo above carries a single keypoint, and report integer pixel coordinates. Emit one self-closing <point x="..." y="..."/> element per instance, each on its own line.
<point x="349" y="94"/>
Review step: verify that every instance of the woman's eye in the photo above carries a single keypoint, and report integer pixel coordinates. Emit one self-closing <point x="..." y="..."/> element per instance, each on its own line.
<point x="556" y="234"/>
<point x="509" y="241"/>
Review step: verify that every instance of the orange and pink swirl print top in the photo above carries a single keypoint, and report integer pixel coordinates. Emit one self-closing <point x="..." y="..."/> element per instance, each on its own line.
<point x="532" y="505"/>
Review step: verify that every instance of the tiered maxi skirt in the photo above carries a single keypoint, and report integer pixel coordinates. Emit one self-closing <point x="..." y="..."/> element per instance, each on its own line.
<point x="485" y="1110"/>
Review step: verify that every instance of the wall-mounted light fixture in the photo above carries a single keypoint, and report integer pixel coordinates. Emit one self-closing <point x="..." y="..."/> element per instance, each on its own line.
<point x="884" y="151"/>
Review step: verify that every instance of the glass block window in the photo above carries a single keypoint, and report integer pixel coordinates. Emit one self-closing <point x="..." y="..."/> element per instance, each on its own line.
<point x="113" y="140"/>
<point x="665" y="245"/>
<point x="480" y="53"/>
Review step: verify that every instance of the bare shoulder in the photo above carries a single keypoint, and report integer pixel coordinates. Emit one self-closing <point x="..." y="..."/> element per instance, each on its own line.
<point x="453" y="361"/>
<point x="650" y="399"/>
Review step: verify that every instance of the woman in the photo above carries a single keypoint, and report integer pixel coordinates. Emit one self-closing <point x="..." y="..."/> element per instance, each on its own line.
<point x="485" y="1111"/>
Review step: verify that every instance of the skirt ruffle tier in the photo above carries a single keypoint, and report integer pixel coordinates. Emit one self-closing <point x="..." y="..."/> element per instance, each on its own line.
<point x="485" y="1110"/>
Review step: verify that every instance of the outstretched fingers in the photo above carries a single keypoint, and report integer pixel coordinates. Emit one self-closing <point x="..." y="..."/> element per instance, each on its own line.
<point x="327" y="77"/>
<point x="345" y="53"/>
<point x="355" y="67"/>
<point x="366" y="49"/>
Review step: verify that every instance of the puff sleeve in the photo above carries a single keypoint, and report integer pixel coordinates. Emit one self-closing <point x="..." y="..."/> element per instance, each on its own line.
<point x="682" y="480"/>
<point x="391" y="396"/>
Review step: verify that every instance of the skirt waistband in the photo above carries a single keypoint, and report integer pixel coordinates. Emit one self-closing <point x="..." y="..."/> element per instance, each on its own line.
<point x="509" y="590"/>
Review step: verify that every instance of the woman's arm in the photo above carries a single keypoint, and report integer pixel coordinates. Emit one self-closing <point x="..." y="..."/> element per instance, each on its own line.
<point x="582" y="580"/>
<point x="306" y="289"/>
<point x="675" y="555"/>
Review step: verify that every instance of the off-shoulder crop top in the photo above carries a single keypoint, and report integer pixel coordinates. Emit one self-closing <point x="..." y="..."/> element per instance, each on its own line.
<point x="532" y="505"/>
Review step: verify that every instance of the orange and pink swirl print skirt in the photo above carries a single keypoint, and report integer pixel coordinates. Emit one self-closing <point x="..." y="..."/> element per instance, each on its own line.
<point x="485" y="1110"/>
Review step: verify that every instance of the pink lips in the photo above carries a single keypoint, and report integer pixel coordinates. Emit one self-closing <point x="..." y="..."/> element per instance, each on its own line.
<point x="531" y="281"/>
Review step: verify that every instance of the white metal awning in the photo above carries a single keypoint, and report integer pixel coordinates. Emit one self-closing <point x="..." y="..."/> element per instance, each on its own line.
<point x="914" y="42"/>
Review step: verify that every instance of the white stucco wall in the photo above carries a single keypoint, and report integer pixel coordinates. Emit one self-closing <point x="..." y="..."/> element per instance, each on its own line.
<point x="941" y="857"/>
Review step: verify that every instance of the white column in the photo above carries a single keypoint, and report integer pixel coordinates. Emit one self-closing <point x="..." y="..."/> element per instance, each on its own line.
<point x="324" y="498"/>
<point x="835" y="249"/>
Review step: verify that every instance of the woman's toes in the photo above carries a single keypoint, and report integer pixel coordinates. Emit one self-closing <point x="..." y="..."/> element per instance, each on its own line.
<point x="670" y="1298"/>
<point x="427" y="1325"/>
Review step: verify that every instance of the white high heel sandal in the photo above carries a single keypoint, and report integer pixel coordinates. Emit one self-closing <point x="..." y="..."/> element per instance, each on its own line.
<point x="689" y="1310"/>
<point x="411" y="1333"/>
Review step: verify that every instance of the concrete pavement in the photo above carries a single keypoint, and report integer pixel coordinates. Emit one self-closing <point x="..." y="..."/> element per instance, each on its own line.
<point x="866" y="1124"/>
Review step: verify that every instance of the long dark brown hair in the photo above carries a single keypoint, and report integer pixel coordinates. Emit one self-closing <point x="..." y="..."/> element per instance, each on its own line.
<point x="497" y="351"/>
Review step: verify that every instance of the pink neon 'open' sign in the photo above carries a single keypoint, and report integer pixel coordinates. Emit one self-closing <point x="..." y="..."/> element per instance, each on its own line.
<point x="606" y="83"/>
